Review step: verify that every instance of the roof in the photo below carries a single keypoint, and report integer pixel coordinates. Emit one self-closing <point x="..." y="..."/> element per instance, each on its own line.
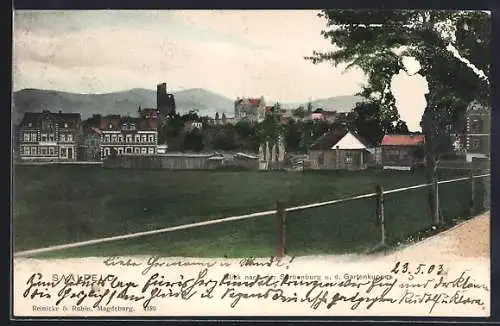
<point x="58" y="117"/>
<point x="251" y="101"/>
<point x="475" y="106"/>
<point x="116" y="122"/>
<point x="350" y="141"/>
<point x="343" y="138"/>
<point x="191" y="155"/>
<point x="243" y="155"/>
<point x="328" y="140"/>
<point x="254" y="101"/>
<point x="402" y="140"/>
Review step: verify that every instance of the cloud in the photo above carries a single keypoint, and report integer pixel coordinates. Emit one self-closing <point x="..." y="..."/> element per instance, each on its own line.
<point x="232" y="53"/>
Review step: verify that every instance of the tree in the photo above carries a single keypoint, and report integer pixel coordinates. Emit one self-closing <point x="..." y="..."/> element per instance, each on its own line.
<point x="299" y="112"/>
<point x="367" y="122"/>
<point x="193" y="141"/>
<point x="371" y="39"/>
<point x="293" y="136"/>
<point x="171" y="130"/>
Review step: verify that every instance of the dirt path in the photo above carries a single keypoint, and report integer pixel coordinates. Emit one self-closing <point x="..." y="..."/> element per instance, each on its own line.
<point x="469" y="240"/>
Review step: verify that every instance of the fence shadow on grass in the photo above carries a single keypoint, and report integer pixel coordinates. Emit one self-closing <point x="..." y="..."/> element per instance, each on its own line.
<point x="341" y="228"/>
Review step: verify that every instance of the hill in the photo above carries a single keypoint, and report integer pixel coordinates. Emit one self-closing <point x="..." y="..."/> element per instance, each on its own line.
<point x="124" y="103"/>
<point x="344" y="103"/>
<point x="127" y="102"/>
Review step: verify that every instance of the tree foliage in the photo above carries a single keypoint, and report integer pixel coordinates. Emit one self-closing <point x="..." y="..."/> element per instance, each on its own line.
<point x="366" y="39"/>
<point x="375" y="41"/>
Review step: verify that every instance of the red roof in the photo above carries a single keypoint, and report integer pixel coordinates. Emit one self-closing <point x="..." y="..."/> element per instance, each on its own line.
<point x="402" y="140"/>
<point x="254" y="101"/>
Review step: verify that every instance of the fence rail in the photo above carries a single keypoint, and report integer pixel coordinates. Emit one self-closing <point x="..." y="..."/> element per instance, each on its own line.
<point x="279" y="212"/>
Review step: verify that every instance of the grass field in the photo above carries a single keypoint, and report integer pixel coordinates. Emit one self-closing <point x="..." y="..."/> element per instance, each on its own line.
<point x="63" y="204"/>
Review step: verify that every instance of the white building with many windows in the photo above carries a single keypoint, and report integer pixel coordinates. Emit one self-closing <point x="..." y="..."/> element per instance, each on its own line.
<point x="128" y="136"/>
<point x="47" y="136"/>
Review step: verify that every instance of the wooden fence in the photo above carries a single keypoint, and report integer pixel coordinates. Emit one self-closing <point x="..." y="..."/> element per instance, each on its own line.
<point x="280" y="212"/>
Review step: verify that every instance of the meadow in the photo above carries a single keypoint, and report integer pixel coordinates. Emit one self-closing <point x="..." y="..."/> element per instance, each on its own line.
<point x="63" y="204"/>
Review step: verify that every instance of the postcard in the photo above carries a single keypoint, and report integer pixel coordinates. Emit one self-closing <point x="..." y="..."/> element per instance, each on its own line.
<point x="218" y="163"/>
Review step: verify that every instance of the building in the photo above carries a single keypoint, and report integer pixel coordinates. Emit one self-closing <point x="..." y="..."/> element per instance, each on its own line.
<point x="478" y="131"/>
<point x="402" y="152"/>
<point x="165" y="102"/>
<point x="251" y="109"/>
<point x="47" y="136"/>
<point x="322" y="115"/>
<point x="90" y="148"/>
<point x="147" y="113"/>
<point x="192" y="125"/>
<point x="338" y="150"/>
<point x="128" y="136"/>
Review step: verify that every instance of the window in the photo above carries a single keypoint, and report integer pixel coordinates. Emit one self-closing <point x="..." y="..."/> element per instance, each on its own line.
<point x="120" y="150"/>
<point x="44" y="137"/>
<point x="51" y="150"/>
<point x="143" y="138"/>
<point x="33" y="150"/>
<point x="113" y="138"/>
<point x="475" y="126"/>
<point x="26" y="137"/>
<point x="129" y="138"/>
<point x="151" y="150"/>
<point x="151" y="138"/>
<point x="137" y="138"/>
<point x="62" y="137"/>
<point x="51" y="137"/>
<point x="44" y="150"/>
<point x="106" y="138"/>
<point x="34" y="136"/>
<point x="120" y="138"/>
<point x="129" y="150"/>
<point x="26" y="150"/>
<point x="137" y="150"/>
<point x="143" y="150"/>
<point x="348" y="158"/>
<point x="70" y="137"/>
<point x="63" y="152"/>
<point x="476" y="144"/>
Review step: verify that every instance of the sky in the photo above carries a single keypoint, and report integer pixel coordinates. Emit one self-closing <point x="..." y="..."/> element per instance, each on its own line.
<point x="232" y="53"/>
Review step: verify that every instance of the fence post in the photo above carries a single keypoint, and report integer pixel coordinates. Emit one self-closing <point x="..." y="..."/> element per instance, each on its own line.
<point x="281" y="240"/>
<point x="380" y="213"/>
<point x="472" y="192"/>
<point x="487" y="192"/>
<point x="435" y="185"/>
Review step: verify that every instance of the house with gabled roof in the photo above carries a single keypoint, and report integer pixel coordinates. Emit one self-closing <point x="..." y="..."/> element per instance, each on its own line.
<point x="339" y="150"/>
<point x="49" y="136"/>
<point x="402" y="152"/>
